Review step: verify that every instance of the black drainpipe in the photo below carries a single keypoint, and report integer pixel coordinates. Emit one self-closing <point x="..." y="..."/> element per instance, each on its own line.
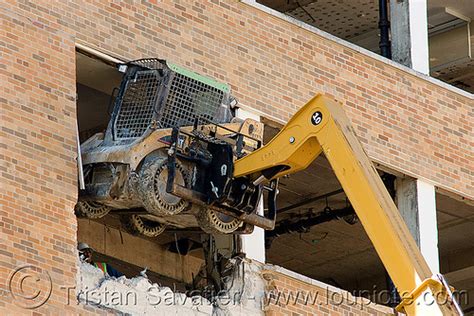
<point x="384" y="25"/>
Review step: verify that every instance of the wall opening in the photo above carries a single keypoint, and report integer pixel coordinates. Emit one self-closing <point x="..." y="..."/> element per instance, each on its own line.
<point x="455" y="220"/>
<point x="172" y="258"/>
<point x="96" y="81"/>
<point x="180" y="258"/>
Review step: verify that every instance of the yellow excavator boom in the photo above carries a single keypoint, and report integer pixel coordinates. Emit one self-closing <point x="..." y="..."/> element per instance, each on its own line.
<point x="322" y="126"/>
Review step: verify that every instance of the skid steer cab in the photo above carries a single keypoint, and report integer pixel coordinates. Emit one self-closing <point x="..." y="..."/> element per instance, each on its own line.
<point x="166" y="157"/>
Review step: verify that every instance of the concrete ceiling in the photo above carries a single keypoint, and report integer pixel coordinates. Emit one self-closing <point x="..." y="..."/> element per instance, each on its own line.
<point x="341" y="18"/>
<point x="96" y="74"/>
<point x="457" y="64"/>
<point x="345" y="19"/>
<point x="464" y="7"/>
<point x="95" y="82"/>
<point x="455" y="224"/>
<point x="460" y="75"/>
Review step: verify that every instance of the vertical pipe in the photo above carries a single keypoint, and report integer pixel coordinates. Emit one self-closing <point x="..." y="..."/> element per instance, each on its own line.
<point x="384" y="26"/>
<point x="394" y="297"/>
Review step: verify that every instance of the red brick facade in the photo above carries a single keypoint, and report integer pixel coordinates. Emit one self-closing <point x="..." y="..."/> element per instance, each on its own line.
<point x="405" y="122"/>
<point x="37" y="160"/>
<point x="289" y="295"/>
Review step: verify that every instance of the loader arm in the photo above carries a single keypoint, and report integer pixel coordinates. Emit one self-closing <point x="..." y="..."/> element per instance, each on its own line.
<point x="322" y="126"/>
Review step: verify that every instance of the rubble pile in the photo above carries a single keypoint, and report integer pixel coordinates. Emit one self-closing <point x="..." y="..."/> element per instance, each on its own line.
<point x="135" y="296"/>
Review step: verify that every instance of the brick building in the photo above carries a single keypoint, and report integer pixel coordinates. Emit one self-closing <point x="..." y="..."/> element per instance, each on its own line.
<point x="58" y="69"/>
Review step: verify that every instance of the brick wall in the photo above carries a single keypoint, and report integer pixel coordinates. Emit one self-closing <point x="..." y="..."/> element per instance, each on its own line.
<point x="37" y="165"/>
<point x="273" y="66"/>
<point x="289" y="293"/>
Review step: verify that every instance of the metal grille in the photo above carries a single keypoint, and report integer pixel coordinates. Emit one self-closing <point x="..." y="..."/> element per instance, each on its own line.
<point x="188" y="99"/>
<point x="150" y="63"/>
<point x="138" y="104"/>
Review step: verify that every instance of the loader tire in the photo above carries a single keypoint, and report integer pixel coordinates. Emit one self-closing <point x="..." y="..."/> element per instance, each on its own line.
<point x="89" y="209"/>
<point x="152" y="188"/>
<point x="140" y="225"/>
<point x="213" y="222"/>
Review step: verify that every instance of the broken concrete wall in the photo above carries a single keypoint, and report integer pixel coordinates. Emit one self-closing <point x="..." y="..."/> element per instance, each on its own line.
<point x="253" y="289"/>
<point x="135" y="296"/>
<point x="246" y="291"/>
<point x="138" y="296"/>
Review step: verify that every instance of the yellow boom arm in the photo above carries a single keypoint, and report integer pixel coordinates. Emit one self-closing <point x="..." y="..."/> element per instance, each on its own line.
<point x="322" y="126"/>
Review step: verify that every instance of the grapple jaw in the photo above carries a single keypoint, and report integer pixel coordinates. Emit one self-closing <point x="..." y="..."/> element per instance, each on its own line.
<point x="214" y="186"/>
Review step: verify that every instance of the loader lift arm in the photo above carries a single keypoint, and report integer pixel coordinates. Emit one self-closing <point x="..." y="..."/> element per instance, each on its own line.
<point x="322" y="126"/>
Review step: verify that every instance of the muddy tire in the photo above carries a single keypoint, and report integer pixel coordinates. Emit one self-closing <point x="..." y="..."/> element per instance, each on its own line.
<point x="152" y="188"/>
<point x="89" y="209"/>
<point x="140" y="225"/>
<point x="213" y="222"/>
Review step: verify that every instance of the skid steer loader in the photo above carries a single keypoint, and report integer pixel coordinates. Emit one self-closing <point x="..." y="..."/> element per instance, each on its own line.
<point x="127" y="167"/>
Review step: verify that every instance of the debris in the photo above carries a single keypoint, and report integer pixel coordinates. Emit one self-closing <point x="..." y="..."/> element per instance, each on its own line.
<point x="135" y="296"/>
<point x="143" y="272"/>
